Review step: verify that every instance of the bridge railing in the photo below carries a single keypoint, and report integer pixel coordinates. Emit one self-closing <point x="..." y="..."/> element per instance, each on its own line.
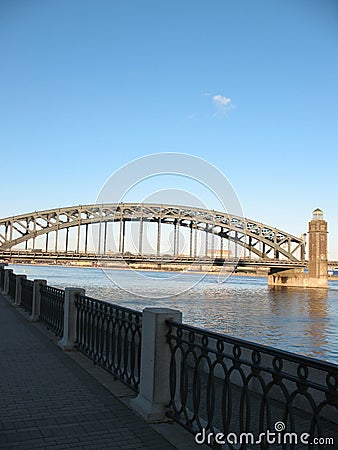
<point x="219" y="384"/>
<point x="111" y="336"/>
<point x="52" y="308"/>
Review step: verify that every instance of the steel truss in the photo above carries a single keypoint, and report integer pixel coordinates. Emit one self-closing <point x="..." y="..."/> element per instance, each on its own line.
<point x="262" y="240"/>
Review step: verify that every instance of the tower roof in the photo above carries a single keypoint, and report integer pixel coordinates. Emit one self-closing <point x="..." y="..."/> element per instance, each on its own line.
<point x="317" y="214"/>
<point x="317" y="211"/>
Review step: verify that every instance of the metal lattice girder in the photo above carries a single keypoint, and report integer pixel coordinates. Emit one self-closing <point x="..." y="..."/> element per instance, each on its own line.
<point x="263" y="240"/>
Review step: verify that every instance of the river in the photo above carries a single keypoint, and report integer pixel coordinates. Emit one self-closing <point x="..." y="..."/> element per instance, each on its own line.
<point x="303" y="321"/>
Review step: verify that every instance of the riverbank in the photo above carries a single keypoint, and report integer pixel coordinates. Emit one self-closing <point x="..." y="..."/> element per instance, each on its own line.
<point x="210" y="271"/>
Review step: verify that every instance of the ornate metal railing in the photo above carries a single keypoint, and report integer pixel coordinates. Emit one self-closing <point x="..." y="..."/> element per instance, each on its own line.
<point x="12" y="285"/>
<point x="52" y="308"/>
<point x="111" y="336"/>
<point x="2" y="278"/>
<point x="27" y="294"/>
<point x="225" y="385"/>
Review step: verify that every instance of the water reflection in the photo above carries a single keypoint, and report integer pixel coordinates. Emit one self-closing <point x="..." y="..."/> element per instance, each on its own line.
<point x="304" y="321"/>
<point x="318" y="313"/>
<point x="303" y="315"/>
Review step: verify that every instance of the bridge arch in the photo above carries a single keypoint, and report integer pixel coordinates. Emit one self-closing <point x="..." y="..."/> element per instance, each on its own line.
<point x="264" y="241"/>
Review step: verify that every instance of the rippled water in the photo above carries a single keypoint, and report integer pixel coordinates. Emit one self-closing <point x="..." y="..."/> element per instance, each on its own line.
<point x="299" y="320"/>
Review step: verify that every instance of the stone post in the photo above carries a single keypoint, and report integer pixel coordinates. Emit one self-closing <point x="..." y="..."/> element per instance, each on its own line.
<point x="67" y="342"/>
<point x="154" y="395"/>
<point x="36" y="300"/>
<point x="18" y="289"/>
<point x="6" y="283"/>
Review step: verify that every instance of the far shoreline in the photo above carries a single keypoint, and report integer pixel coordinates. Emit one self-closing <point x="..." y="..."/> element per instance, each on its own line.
<point x="198" y="272"/>
<point x="147" y="269"/>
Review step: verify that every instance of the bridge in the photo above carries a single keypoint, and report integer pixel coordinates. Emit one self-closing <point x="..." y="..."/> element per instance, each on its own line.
<point x="89" y="232"/>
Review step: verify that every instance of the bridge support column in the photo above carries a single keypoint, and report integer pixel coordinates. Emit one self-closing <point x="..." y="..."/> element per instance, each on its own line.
<point x="213" y="250"/>
<point x="140" y="239"/>
<point x="178" y="238"/>
<point x="78" y="234"/>
<point x="69" y="319"/>
<point x="99" y="236"/>
<point x="57" y="233"/>
<point x="158" y="251"/>
<point x="175" y="238"/>
<point x="221" y="243"/>
<point x="18" y="289"/>
<point x="191" y="231"/>
<point x="36" y="300"/>
<point x="86" y="238"/>
<point x="122" y="236"/>
<point x="154" y="395"/>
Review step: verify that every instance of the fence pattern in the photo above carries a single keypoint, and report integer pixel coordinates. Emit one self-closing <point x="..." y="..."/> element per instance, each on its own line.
<point x="227" y="385"/>
<point x="27" y="294"/>
<point x="111" y="336"/>
<point x="2" y="278"/>
<point x="12" y="285"/>
<point x="52" y="308"/>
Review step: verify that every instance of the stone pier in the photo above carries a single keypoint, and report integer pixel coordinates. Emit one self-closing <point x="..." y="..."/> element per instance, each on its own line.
<point x="317" y="276"/>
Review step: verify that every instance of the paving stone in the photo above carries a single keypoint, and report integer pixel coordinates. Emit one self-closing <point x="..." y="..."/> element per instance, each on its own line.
<point x="47" y="401"/>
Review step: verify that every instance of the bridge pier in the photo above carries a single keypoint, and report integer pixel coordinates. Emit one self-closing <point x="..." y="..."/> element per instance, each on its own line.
<point x="296" y="278"/>
<point x="317" y="275"/>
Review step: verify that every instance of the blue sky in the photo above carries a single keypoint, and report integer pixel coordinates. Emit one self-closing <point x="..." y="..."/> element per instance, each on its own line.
<point x="252" y="87"/>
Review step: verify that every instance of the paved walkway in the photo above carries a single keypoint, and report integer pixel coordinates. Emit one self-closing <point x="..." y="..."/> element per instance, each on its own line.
<point x="48" y="401"/>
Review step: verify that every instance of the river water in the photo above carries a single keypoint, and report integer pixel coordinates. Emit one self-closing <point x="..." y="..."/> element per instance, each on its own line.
<point x="303" y="321"/>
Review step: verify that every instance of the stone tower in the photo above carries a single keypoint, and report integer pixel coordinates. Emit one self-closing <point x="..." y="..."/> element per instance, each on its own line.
<point x="318" y="245"/>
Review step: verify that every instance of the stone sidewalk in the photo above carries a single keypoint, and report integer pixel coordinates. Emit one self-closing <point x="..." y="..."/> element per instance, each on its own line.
<point x="48" y="401"/>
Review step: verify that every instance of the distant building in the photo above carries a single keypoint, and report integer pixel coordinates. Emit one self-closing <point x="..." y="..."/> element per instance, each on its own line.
<point x="216" y="253"/>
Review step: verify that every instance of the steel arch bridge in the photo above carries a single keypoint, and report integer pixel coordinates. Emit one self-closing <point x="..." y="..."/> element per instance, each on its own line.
<point x="263" y="241"/>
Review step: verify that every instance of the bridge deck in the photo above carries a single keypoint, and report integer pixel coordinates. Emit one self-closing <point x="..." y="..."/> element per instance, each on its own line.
<point x="52" y="257"/>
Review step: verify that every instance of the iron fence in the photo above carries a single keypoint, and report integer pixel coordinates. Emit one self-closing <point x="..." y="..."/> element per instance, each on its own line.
<point x="27" y="294"/>
<point x="11" y="285"/>
<point x="111" y="336"/>
<point x="2" y="278"/>
<point x="52" y="308"/>
<point x="220" y="384"/>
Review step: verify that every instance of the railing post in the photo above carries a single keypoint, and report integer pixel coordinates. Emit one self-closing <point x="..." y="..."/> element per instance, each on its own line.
<point x="36" y="299"/>
<point x="69" y="319"/>
<point x="18" y="289"/>
<point x="6" y="283"/>
<point x="154" y="394"/>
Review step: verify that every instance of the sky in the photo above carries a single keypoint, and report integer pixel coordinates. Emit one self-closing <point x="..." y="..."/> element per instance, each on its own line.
<point x="251" y="87"/>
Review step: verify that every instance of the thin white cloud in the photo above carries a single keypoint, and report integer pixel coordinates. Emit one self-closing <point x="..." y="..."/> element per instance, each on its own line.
<point x="223" y="104"/>
<point x="220" y="100"/>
